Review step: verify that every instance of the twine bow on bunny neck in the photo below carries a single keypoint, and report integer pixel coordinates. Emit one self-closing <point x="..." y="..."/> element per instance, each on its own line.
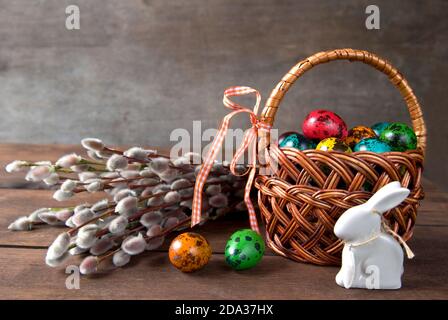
<point x="249" y="143"/>
<point x="388" y="229"/>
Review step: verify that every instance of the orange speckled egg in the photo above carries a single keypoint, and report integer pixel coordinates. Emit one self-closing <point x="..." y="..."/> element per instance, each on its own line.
<point x="358" y="133"/>
<point x="189" y="252"/>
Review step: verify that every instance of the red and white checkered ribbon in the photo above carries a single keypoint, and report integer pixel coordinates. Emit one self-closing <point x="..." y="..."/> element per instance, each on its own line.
<point x="249" y="141"/>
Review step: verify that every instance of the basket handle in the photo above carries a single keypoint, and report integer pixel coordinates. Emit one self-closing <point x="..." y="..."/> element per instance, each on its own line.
<point x="272" y="104"/>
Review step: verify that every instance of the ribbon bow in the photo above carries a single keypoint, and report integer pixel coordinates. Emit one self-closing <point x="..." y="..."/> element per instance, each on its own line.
<point x="386" y="228"/>
<point x="249" y="141"/>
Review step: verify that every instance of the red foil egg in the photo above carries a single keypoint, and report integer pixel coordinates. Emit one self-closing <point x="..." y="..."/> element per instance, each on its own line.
<point x="322" y="124"/>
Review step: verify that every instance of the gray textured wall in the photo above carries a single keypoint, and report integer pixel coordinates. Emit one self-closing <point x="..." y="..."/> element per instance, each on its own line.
<point x="138" y="69"/>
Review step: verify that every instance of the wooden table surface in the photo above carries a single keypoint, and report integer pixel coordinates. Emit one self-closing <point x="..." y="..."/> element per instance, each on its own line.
<point x="24" y="275"/>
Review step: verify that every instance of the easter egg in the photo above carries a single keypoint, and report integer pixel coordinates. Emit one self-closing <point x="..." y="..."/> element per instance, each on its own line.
<point x="189" y="252"/>
<point x="284" y="135"/>
<point x="244" y="249"/>
<point x="367" y="186"/>
<point x="298" y="141"/>
<point x="333" y="144"/>
<point x="399" y="136"/>
<point x="379" y="127"/>
<point x="372" y="145"/>
<point x="358" y="133"/>
<point x="321" y="124"/>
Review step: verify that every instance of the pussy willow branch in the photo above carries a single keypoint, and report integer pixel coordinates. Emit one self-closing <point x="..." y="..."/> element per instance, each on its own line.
<point x="147" y="238"/>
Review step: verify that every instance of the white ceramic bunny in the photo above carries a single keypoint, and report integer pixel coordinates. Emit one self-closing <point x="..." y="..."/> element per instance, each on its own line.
<point x="372" y="258"/>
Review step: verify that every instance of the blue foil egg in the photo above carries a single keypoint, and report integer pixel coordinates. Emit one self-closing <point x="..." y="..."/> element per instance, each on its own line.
<point x="284" y="135"/>
<point x="297" y="141"/>
<point x="379" y="127"/>
<point x="372" y="145"/>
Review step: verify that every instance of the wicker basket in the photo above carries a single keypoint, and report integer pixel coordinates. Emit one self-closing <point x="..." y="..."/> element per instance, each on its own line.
<point x="309" y="190"/>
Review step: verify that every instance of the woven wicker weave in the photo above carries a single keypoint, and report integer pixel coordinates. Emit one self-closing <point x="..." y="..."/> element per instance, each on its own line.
<point x="302" y="200"/>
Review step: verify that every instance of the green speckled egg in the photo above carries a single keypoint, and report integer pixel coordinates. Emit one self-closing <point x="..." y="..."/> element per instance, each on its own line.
<point x="399" y="136"/>
<point x="297" y="141"/>
<point x="379" y="127"/>
<point x="244" y="249"/>
<point x="372" y="145"/>
<point x="367" y="186"/>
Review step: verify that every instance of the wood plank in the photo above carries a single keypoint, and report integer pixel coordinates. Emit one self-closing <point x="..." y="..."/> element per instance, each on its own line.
<point x="109" y="77"/>
<point x="38" y="152"/>
<point x="433" y="209"/>
<point x="29" y="152"/>
<point x="15" y="203"/>
<point x="152" y="277"/>
<point x="35" y="152"/>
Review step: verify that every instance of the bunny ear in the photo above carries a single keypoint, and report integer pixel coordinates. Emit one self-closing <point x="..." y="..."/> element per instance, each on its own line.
<point x="381" y="193"/>
<point x="388" y="197"/>
<point x="394" y="185"/>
